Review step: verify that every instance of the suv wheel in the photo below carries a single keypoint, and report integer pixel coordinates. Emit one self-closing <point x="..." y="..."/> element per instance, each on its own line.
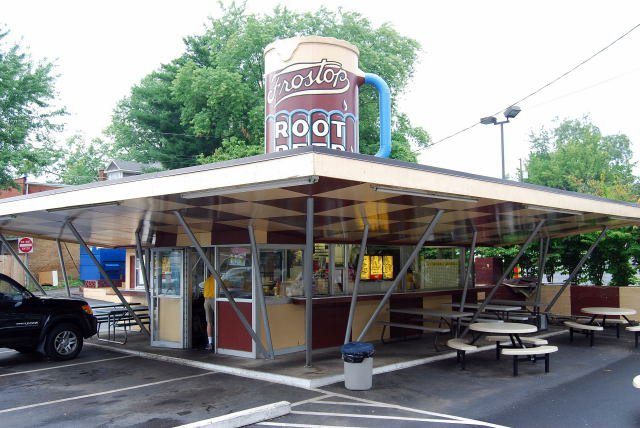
<point x="63" y="342"/>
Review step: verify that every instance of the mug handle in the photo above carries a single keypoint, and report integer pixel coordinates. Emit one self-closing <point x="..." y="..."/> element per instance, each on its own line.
<point x="384" y="95"/>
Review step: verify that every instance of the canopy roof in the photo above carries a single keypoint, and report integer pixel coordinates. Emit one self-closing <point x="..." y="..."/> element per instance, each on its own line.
<point x="396" y="199"/>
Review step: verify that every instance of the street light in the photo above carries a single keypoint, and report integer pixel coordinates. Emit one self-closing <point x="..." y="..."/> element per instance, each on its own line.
<point x="509" y="113"/>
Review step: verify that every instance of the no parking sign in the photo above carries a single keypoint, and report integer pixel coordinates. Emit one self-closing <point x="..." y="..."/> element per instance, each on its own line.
<point x="25" y="245"/>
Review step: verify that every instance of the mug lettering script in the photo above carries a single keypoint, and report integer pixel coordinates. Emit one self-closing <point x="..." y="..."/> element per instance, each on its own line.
<point x="324" y="77"/>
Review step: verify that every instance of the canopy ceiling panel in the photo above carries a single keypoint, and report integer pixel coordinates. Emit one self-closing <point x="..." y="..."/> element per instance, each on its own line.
<point x="396" y="199"/>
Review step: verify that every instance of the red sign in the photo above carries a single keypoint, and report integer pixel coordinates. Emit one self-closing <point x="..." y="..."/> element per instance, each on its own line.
<point x="312" y="104"/>
<point x="25" y="245"/>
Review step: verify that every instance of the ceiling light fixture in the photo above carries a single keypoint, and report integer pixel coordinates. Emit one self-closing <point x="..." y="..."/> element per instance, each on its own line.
<point x="80" y="207"/>
<point x="552" y="210"/>
<point x="423" y="194"/>
<point x="612" y="217"/>
<point x="253" y="187"/>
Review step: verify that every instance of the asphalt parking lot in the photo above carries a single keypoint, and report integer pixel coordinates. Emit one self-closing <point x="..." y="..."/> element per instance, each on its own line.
<point x="102" y="388"/>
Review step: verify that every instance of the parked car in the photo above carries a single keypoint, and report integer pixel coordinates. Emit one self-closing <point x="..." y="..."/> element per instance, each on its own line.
<point x="238" y="282"/>
<point x="55" y="327"/>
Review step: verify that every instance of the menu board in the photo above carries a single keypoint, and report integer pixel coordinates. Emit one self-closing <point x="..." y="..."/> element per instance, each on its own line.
<point x="376" y="267"/>
<point x="366" y="268"/>
<point x="387" y="267"/>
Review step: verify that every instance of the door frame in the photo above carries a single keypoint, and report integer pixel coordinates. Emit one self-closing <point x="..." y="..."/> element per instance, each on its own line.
<point x="184" y="298"/>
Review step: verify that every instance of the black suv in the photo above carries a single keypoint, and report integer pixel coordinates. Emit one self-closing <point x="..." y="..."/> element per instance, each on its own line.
<point x="55" y="327"/>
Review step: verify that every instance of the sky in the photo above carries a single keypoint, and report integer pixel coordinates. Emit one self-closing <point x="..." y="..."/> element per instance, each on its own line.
<point x="477" y="58"/>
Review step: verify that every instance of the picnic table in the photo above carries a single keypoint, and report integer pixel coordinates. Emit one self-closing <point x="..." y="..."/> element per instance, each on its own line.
<point x="517" y="348"/>
<point x="500" y="311"/>
<point x="450" y="318"/>
<point x="511" y="329"/>
<point x="604" y="312"/>
<point x="117" y="316"/>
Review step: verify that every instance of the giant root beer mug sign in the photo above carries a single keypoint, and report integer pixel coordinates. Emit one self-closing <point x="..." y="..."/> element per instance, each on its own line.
<point x="311" y="96"/>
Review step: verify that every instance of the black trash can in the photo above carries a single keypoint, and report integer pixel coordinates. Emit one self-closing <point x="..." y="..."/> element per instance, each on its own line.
<point x="358" y="365"/>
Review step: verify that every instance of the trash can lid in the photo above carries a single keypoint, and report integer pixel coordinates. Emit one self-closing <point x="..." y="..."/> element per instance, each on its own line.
<point x="361" y="348"/>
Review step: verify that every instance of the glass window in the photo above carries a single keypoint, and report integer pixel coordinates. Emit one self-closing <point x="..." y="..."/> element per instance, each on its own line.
<point x="321" y="269"/>
<point x="234" y="267"/>
<point x="380" y="266"/>
<point x="293" y="284"/>
<point x="272" y="270"/>
<point x="434" y="269"/>
<point x="197" y="271"/>
<point x="169" y="272"/>
<point x="10" y="293"/>
<point x="139" y="275"/>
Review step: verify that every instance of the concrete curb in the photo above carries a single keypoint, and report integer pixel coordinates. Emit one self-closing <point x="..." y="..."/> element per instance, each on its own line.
<point x="291" y="380"/>
<point x="244" y="417"/>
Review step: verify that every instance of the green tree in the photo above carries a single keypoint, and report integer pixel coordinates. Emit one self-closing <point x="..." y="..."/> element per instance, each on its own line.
<point x="209" y="103"/>
<point x="576" y="156"/>
<point x="81" y="160"/>
<point x="26" y="115"/>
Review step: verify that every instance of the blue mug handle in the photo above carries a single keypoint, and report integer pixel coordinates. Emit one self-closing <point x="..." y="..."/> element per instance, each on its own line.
<point x="384" y="95"/>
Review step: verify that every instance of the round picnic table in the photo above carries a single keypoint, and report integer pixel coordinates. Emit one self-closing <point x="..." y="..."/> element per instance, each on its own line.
<point x="512" y="329"/>
<point x="607" y="311"/>
<point x="503" y="327"/>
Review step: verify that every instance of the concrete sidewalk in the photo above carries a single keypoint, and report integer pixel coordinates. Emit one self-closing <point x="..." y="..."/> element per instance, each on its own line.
<point x="290" y="369"/>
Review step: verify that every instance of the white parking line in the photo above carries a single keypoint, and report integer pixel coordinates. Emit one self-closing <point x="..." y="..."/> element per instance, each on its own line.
<point x="80" y="397"/>
<point x="395" y="418"/>
<point x="451" y="418"/>
<point x="288" y="424"/>
<point x="65" y="365"/>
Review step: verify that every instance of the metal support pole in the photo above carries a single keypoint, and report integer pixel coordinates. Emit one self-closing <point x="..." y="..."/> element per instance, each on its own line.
<point x="257" y="280"/>
<point x="544" y="251"/>
<point x="216" y="275"/>
<point x="26" y="269"/>
<point x="577" y="269"/>
<point x="515" y="260"/>
<point x="504" y="176"/>
<point x="63" y="267"/>
<point x="308" y="283"/>
<point x="402" y="272"/>
<point x="143" y="267"/>
<point x="467" y="275"/>
<point x="356" y="284"/>
<point x="95" y="261"/>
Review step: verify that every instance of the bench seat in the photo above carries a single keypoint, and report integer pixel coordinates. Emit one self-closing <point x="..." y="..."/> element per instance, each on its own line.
<point x="532" y="340"/>
<point x="538" y="350"/>
<point x="436" y="330"/>
<point x="580" y="326"/>
<point x="461" y="348"/>
<point x="502" y="341"/>
<point x="587" y="329"/>
<point x="530" y="354"/>
<point x="636" y="331"/>
<point x="415" y="327"/>
<point x="616" y="321"/>
<point x="460" y="345"/>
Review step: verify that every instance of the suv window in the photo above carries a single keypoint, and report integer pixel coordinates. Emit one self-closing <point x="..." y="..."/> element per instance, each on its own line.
<point x="9" y="292"/>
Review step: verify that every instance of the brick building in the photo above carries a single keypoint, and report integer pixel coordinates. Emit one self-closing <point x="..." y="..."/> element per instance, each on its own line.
<point x="45" y="254"/>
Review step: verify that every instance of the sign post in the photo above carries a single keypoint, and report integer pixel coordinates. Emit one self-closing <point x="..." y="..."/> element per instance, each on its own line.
<point x="25" y="245"/>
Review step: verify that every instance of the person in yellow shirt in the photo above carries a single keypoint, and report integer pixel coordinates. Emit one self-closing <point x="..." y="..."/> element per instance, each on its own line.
<point x="209" y="308"/>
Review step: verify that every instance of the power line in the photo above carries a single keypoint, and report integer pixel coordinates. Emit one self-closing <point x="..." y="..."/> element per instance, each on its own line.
<point x="544" y="86"/>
